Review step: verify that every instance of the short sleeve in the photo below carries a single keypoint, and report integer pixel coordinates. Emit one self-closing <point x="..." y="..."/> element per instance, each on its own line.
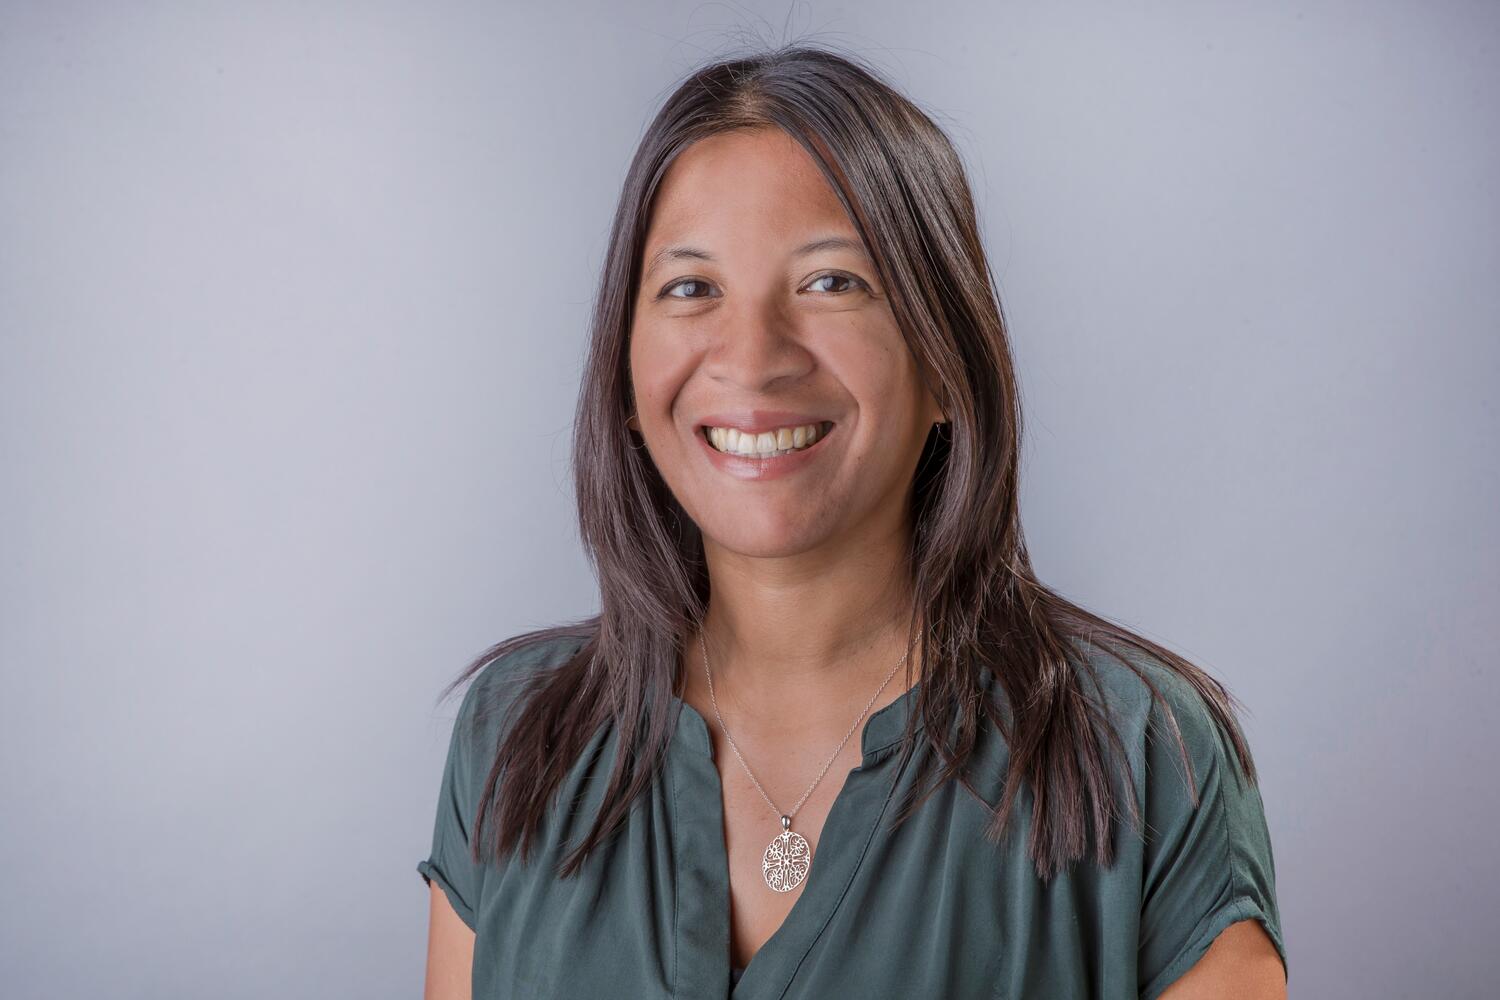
<point x="449" y="863"/>
<point x="477" y="734"/>
<point x="1206" y="867"/>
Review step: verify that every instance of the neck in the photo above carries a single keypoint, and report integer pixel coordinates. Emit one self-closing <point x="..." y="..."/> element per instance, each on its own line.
<point x="831" y="634"/>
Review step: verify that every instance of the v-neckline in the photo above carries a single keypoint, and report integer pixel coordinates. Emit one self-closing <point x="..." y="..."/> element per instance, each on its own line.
<point x="703" y="910"/>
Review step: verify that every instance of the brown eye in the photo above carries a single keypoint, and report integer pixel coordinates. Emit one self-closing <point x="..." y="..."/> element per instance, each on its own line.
<point x="837" y="276"/>
<point x="666" y="292"/>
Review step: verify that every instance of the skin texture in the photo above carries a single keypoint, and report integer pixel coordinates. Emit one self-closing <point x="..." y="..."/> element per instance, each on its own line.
<point x="1241" y="964"/>
<point x="450" y="951"/>
<point x="809" y="580"/>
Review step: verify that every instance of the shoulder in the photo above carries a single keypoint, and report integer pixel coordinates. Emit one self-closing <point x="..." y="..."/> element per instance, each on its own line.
<point x="1204" y="852"/>
<point x="498" y="686"/>
<point x="1181" y="736"/>
<point x="1184" y="752"/>
<point x="1153" y="702"/>
<point x="521" y="656"/>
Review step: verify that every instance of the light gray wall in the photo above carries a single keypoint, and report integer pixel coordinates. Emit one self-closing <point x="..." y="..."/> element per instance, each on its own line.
<point x="292" y="308"/>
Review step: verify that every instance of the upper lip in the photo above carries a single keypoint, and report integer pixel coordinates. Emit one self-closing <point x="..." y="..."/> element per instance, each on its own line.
<point x="760" y="421"/>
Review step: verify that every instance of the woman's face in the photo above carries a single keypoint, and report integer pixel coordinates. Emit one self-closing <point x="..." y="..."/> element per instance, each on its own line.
<point x="750" y="330"/>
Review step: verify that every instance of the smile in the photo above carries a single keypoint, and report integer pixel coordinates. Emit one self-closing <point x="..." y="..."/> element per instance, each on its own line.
<point x="749" y="463"/>
<point x="766" y="444"/>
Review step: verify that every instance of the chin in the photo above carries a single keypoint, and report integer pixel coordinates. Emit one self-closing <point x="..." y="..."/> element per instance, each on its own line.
<point x="766" y="544"/>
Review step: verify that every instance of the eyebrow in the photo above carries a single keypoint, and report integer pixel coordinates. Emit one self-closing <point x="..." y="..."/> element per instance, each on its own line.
<point x="683" y="252"/>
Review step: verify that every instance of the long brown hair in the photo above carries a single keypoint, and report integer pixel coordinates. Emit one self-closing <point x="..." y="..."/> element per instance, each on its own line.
<point x="982" y="608"/>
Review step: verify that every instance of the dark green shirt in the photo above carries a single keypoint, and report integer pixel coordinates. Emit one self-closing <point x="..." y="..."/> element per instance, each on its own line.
<point x="929" y="909"/>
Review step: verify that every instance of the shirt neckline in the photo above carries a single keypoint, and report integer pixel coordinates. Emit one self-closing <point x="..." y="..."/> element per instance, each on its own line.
<point x="882" y="729"/>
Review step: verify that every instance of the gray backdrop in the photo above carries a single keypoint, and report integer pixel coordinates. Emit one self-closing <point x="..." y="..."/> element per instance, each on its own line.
<point x="293" y="303"/>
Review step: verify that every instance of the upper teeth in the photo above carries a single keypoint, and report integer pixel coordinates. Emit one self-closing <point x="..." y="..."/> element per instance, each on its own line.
<point x="737" y="442"/>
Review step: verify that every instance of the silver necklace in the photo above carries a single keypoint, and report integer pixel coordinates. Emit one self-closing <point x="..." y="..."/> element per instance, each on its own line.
<point x="788" y="859"/>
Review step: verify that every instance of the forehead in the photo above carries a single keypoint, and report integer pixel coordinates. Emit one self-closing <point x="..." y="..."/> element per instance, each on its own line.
<point x="759" y="181"/>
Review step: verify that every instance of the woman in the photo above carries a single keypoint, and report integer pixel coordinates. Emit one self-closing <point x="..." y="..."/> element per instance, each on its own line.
<point x="796" y="469"/>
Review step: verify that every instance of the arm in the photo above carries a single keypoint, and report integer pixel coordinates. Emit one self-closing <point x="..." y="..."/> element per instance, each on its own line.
<point x="1209" y="915"/>
<point x="450" y="951"/>
<point x="1241" y="964"/>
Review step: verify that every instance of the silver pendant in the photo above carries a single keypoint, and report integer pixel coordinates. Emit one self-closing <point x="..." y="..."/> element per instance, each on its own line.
<point x="787" y="860"/>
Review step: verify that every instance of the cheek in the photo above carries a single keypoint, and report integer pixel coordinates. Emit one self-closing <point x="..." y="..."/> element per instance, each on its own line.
<point x="658" y="369"/>
<point x="877" y="372"/>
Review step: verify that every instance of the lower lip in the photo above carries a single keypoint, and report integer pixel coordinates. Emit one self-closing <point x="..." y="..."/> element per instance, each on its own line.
<point x="742" y="467"/>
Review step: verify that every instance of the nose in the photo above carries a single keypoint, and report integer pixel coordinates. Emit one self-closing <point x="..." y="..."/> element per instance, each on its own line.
<point x="756" y="349"/>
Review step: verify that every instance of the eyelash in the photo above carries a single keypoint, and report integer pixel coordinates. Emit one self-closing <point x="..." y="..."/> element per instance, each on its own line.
<point x="665" y="292"/>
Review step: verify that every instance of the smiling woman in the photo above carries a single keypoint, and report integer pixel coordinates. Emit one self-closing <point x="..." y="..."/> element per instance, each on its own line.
<point x="796" y="466"/>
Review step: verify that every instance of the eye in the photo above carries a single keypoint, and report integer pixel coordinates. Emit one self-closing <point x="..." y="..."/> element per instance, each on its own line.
<point x="667" y="292"/>
<point x="840" y="276"/>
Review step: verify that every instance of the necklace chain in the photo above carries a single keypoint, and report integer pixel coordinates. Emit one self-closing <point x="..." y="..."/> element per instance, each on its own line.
<point x="786" y="817"/>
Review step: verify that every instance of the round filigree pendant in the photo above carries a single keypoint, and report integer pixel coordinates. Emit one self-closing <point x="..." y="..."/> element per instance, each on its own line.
<point x="787" y="860"/>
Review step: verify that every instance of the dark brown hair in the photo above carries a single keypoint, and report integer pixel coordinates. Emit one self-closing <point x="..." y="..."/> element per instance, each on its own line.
<point x="905" y="190"/>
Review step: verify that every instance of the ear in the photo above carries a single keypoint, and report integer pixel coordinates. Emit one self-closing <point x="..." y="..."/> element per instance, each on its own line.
<point x="935" y="414"/>
<point x="633" y="423"/>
